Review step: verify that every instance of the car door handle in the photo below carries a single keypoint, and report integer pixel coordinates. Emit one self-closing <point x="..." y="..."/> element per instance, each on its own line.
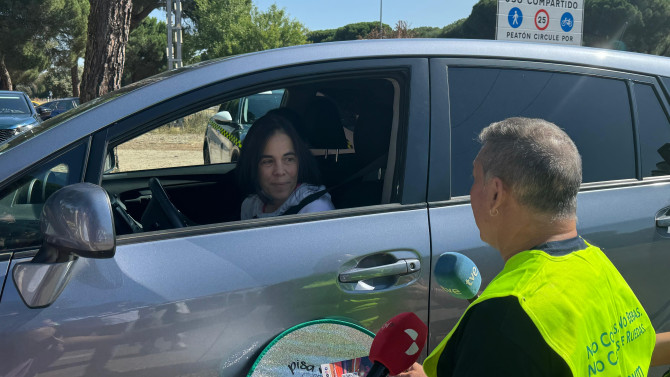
<point x="400" y="267"/>
<point x="663" y="221"/>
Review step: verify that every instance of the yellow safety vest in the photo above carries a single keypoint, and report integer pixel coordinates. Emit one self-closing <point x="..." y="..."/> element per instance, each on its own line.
<point x="583" y="308"/>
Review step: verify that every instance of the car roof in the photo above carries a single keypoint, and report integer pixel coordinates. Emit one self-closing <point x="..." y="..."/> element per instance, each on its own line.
<point x="176" y="82"/>
<point x="12" y="92"/>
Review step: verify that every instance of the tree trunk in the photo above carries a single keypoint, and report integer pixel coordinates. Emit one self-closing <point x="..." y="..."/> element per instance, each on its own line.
<point x="108" y="29"/>
<point x="5" y="78"/>
<point x="74" y="75"/>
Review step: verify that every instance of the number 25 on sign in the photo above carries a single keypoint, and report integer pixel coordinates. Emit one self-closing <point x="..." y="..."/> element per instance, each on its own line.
<point x="541" y="19"/>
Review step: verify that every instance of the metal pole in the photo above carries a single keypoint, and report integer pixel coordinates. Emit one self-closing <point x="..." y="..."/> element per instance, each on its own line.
<point x="178" y="40"/>
<point x="170" y="46"/>
<point x="381" y="29"/>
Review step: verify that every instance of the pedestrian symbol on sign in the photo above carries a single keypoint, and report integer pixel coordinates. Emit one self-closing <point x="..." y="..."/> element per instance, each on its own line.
<point x="567" y="22"/>
<point x="515" y="17"/>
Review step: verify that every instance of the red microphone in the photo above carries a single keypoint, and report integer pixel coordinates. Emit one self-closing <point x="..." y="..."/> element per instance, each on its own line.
<point x="397" y="345"/>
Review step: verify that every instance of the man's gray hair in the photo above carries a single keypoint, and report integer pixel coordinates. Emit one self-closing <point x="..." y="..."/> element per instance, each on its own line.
<point x="537" y="160"/>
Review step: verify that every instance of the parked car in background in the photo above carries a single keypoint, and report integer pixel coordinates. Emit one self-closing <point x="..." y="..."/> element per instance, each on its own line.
<point x="165" y="279"/>
<point x="227" y="128"/>
<point x="52" y="108"/>
<point x="17" y="114"/>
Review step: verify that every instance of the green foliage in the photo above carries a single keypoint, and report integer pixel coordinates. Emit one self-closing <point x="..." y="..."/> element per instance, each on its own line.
<point x="146" y="52"/>
<point x="401" y="30"/>
<point x="28" y="82"/>
<point x="349" y="32"/>
<point x="359" y="30"/>
<point x="453" y="30"/>
<point x="650" y="34"/>
<point x="25" y="27"/>
<point x="634" y="25"/>
<point x="27" y="56"/>
<point x="273" y="29"/>
<point x="663" y="47"/>
<point x="41" y="34"/>
<point x="55" y="79"/>
<point x="427" y="32"/>
<point x="605" y="21"/>
<point x="72" y="22"/>
<point x="481" y="24"/>
<point x="221" y="27"/>
<point x="230" y="27"/>
<point x="319" y="36"/>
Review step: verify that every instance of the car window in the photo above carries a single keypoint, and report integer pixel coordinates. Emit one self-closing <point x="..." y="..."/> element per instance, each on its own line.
<point x="257" y="105"/>
<point x="594" y="111"/>
<point x="49" y="105"/>
<point x="67" y="105"/>
<point x="178" y="143"/>
<point x="346" y="124"/>
<point x="654" y="132"/>
<point x="22" y="201"/>
<point x="13" y="104"/>
<point x="232" y="107"/>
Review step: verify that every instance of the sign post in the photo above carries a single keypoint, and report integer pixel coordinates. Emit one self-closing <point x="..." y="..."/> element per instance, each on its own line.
<point x="548" y="21"/>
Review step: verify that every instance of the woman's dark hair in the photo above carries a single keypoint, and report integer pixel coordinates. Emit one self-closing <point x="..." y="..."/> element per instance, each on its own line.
<point x="277" y="120"/>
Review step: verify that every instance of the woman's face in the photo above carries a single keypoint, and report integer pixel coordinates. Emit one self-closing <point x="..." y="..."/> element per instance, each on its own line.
<point x="278" y="168"/>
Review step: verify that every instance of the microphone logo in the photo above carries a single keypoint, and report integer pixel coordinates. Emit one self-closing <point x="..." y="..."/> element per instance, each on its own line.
<point x="469" y="281"/>
<point x="414" y="348"/>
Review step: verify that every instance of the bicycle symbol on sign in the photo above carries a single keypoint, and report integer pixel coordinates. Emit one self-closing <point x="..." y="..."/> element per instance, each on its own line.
<point x="567" y="22"/>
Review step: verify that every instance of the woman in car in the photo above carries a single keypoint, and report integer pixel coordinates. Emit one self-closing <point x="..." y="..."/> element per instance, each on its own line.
<point x="277" y="171"/>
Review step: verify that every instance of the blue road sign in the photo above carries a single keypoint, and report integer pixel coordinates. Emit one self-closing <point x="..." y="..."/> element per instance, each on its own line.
<point x="515" y="17"/>
<point x="567" y="22"/>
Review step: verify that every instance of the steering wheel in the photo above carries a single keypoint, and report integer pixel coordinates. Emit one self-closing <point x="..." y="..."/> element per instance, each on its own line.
<point x="124" y="222"/>
<point x="160" y="212"/>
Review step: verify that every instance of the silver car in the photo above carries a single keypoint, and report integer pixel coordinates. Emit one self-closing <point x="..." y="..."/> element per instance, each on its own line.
<point x="17" y="114"/>
<point x="164" y="279"/>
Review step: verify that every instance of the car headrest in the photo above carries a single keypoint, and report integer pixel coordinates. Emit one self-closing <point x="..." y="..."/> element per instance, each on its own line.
<point x="324" y="126"/>
<point x="372" y="133"/>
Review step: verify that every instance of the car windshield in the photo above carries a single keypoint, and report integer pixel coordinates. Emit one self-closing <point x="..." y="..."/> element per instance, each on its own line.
<point x="259" y="104"/>
<point x="13" y="104"/>
<point x="59" y="105"/>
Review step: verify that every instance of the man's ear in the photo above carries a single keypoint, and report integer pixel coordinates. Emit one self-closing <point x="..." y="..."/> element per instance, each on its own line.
<point x="497" y="193"/>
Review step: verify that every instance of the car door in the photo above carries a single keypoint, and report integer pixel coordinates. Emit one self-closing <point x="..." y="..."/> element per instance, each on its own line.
<point x="205" y="300"/>
<point x="618" y="122"/>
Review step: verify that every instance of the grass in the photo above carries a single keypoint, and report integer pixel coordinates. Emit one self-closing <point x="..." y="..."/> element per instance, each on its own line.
<point x="195" y="123"/>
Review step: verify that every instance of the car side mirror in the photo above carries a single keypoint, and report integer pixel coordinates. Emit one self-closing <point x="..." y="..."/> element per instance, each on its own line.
<point x="76" y="221"/>
<point x="222" y="117"/>
<point x="110" y="162"/>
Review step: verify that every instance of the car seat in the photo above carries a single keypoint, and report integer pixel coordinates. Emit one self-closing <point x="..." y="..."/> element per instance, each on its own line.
<point x="324" y="131"/>
<point x="371" y="141"/>
<point x="324" y="127"/>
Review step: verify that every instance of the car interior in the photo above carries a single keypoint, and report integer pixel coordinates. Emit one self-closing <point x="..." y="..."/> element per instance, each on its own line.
<point x="349" y="124"/>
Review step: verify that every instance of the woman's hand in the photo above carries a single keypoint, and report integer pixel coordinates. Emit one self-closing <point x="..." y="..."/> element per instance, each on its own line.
<point x="416" y="370"/>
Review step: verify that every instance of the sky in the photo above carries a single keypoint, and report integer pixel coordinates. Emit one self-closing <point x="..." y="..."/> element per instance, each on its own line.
<point x="320" y="14"/>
